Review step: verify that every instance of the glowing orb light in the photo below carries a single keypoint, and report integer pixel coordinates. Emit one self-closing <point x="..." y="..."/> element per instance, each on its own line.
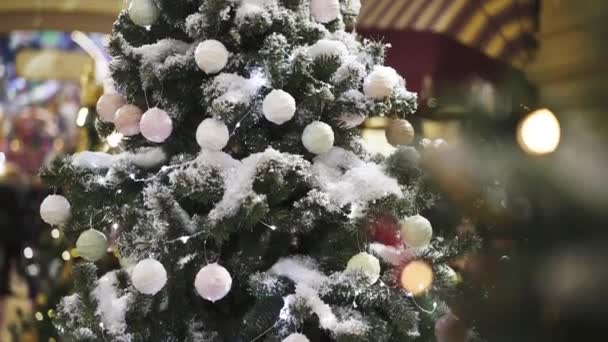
<point x="417" y="277"/>
<point x="539" y="132"/>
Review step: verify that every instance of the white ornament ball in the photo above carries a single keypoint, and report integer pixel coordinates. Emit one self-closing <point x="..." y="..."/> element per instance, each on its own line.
<point x="92" y="160"/>
<point x="107" y="105"/>
<point x="279" y="107"/>
<point x="327" y="47"/>
<point x="416" y="231"/>
<point x="213" y="282"/>
<point x="380" y="83"/>
<point x="92" y="245"/>
<point x="296" y="337"/>
<point x="365" y="263"/>
<point x="211" y="56"/>
<point x="127" y="120"/>
<point x="156" y="125"/>
<point x="143" y="12"/>
<point x="55" y="210"/>
<point x="149" y="276"/>
<point x="325" y="11"/>
<point x="212" y="134"/>
<point x="318" y="137"/>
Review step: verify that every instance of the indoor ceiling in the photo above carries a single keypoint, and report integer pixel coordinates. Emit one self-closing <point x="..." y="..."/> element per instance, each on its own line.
<point x="63" y="15"/>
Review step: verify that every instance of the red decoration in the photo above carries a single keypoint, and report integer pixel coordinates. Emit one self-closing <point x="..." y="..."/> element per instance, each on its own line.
<point x="385" y="230"/>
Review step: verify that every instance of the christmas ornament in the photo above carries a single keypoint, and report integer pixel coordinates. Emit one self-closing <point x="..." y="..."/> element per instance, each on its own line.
<point x="92" y="160"/>
<point x="318" y="137"/>
<point x="143" y="12"/>
<point x="213" y="282"/>
<point x="450" y="328"/>
<point x="279" y="107"/>
<point x="212" y="134"/>
<point x="55" y="210"/>
<point x="92" y="245"/>
<point x="327" y="47"/>
<point x="399" y="132"/>
<point x="380" y="83"/>
<point x="107" y="105"/>
<point x="324" y="11"/>
<point x="127" y="120"/>
<point x="416" y="277"/>
<point x="211" y="56"/>
<point x="416" y="231"/>
<point x="385" y="230"/>
<point x="149" y="276"/>
<point x="365" y="263"/>
<point x="156" y="125"/>
<point x="296" y="337"/>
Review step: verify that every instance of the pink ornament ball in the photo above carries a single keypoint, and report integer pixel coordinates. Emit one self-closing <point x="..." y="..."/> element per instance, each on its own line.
<point x="156" y="125"/>
<point x="107" y="105"/>
<point x="127" y="120"/>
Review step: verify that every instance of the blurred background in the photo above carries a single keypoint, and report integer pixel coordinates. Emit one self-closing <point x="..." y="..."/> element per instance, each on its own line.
<point x="512" y="95"/>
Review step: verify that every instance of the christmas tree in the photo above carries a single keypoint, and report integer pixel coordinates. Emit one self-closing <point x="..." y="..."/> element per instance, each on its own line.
<point x="241" y="201"/>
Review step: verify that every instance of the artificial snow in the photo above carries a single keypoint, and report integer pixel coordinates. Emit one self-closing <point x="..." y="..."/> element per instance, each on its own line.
<point x="92" y="160"/>
<point x="348" y="180"/>
<point x="253" y="8"/>
<point x="309" y="281"/>
<point x="327" y="319"/>
<point x="236" y="89"/>
<point x="301" y="270"/>
<point x="145" y="157"/>
<point x="389" y="254"/>
<point x="327" y="47"/>
<point x="111" y="307"/>
<point x="238" y="181"/>
<point x="156" y="53"/>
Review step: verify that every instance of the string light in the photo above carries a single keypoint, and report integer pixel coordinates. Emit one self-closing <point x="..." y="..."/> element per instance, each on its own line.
<point x="81" y="119"/>
<point x="539" y="132"/>
<point x="28" y="252"/>
<point x="271" y="226"/>
<point x="55" y="233"/>
<point x="66" y="255"/>
<point x="39" y="316"/>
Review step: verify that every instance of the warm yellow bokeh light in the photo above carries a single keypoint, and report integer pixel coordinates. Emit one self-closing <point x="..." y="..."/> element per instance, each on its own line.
<point x="417" y="277"/>
<point x="539" y="132"/>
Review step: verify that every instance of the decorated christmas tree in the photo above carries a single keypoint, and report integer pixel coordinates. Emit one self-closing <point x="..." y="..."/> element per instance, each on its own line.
<point x="242" y="202"/>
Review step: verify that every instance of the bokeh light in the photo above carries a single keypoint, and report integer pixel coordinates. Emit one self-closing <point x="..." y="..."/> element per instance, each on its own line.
<point x="417" y="277"/>
<point x="539" y="132"/>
